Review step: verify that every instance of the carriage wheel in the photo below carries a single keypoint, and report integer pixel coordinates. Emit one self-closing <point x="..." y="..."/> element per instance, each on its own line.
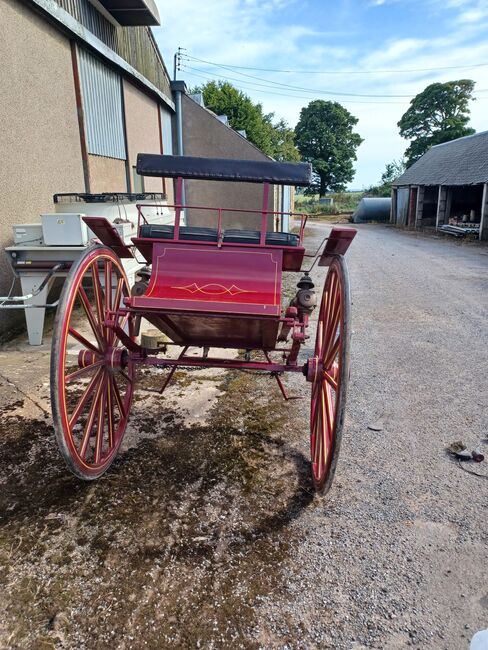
<point x="92" y="375"/>
<point x="331" y="374"/>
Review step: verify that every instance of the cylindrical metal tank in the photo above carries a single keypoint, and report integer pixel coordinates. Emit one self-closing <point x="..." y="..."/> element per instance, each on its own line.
<point x="372" y="209"/>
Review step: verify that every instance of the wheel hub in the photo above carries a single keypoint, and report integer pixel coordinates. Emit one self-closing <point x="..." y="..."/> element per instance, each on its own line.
<point x="313" y="369"/>
<point x="115" y="358"/>
<point x="87" y="358"/>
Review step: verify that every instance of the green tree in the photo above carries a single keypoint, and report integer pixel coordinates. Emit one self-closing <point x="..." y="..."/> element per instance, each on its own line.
<point x="283" y="139"/>
<point x="275" y="140"/>
<point x="393" y="170"/>
<point x="438" y="114"/>
<point x="325" y="137"/>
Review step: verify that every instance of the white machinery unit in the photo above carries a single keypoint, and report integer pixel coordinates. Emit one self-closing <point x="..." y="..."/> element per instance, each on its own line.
<point x="28" y="233"/>
<point x="45" y="251"/>
<point x="64" y="229"/>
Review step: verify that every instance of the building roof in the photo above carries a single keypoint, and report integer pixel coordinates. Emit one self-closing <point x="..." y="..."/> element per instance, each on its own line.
<point x="133" y="12"/>
<point x="460" y="162"/>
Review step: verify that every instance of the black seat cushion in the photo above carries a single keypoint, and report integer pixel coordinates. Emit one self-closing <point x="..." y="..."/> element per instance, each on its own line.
<point x="194" y="233"/>
<point x="253" y="237"/>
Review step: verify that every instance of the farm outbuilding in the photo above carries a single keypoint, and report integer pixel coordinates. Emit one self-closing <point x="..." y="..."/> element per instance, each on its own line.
<point x="447" y="188"/>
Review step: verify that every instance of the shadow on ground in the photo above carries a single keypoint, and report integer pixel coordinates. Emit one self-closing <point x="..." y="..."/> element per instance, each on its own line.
<point x="178" y="543"/>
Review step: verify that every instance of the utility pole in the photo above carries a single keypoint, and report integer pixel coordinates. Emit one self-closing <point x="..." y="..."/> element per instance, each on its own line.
<point x="177" y="62"/>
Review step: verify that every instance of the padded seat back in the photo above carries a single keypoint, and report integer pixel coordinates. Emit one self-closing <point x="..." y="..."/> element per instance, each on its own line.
<point x="191" y="233"/>
<point x="253" y="237"/>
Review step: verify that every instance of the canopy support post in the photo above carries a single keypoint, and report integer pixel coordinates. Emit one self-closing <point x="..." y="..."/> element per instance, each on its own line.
<point x="264" y="214"/>
<point x="179" y="198"/>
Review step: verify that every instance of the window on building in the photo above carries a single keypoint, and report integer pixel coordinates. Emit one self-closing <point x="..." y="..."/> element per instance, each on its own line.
<point x="166" y="121"/>
<point x="101" y="90"/>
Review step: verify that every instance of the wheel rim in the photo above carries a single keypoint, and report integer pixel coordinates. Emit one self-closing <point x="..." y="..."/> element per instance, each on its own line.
<point x="329" y="384"/>
<point x="94" y="379"/>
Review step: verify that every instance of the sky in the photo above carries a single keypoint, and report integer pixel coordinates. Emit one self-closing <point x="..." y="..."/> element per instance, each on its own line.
<point x="371" y="56"/>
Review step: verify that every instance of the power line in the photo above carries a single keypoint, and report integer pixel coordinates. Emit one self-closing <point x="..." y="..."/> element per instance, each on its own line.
<point x="342" y="72"/>
<point x="268" y="83"/>
<point x="312" y="90"/>
<point x="250" y="86"/>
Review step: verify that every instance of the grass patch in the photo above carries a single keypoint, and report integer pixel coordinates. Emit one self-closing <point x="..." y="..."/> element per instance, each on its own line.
<point x="343" y="202"/>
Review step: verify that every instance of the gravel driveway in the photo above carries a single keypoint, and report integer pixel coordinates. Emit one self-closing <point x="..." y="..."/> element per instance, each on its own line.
<point x="205" y="532"/>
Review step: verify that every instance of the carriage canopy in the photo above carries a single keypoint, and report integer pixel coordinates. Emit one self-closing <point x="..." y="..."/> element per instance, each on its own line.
<point x="224" y="169"/>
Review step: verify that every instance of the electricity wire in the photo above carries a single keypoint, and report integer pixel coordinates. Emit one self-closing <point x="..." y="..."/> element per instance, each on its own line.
<point x="310" y="90"/>
<point x="185" y="67"/>
<point x="342" y="72"/>
<point x="268" y="82"/>
<point x="252" y="87"/>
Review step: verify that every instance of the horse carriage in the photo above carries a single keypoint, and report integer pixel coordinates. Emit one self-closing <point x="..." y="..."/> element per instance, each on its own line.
<point x="205" y="288"/>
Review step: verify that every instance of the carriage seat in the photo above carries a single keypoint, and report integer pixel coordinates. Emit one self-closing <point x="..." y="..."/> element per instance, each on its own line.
<point x="233" y="236"/>
<point x="193" y="233"/>
<point x="253" y="237"/>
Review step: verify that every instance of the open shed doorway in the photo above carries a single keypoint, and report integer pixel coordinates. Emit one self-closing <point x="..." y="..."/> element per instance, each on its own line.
<point x="429" y="208"/>
<point x="466" y="204"/>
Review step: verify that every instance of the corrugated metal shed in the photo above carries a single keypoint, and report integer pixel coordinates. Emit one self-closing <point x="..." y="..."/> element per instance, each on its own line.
<point x="101" y="90"/>
<point x="460" y="162"/>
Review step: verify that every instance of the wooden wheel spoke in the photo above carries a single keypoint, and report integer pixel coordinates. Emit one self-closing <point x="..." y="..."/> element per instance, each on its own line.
<point x="118" y="293"/>
<point x="314" y="406"/>
<point x="83" y="371"/>
<point x="330" y="292"/>
<point x="84" y="398"/>
<point x="118" y="398"/>
<point x="123" y="324"/>
<point x="320" y="341"/>
<point x="115" y="307"/>
<point x="110" y="414"/>
<point x="329" y="360"/>
<point x="81" y="339"/>
<point x="329" y="412"/>
<point x="318" y="449"/>
<point x="330" y="380"/>
<point x="326" y="323"/>
<point x="101" y="421"/>
<point x="125" y="376"/>
<point x="97" y="331"/>
<point x="108" y="285"/>
<point x="323" y="320"/>
<point x="97" y="289"/>
<point x="85" y="441"/>
<point x="325" y="428"/>
<point x="317" y="436"/>
<point x="332" y="325"/>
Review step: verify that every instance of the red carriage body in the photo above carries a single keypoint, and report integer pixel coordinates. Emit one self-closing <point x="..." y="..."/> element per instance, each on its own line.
<point x="208" y="288"/>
